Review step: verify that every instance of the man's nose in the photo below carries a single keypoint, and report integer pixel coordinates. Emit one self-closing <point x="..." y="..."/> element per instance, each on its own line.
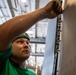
<point x="26" y="45"/>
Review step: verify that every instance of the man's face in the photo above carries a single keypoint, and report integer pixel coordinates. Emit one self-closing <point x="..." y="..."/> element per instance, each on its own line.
<point x="21" y="49"/>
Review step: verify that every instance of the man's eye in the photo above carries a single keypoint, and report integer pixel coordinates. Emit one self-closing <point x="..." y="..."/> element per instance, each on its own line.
<point x="27" y="42"/>
<point x="20" y="41"/>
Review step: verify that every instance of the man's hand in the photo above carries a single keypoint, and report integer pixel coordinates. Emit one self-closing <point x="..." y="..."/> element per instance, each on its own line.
<point x="53" y="9"/>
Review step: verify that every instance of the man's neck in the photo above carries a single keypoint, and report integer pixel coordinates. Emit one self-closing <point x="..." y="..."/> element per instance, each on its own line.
<point x="22" y="64"/>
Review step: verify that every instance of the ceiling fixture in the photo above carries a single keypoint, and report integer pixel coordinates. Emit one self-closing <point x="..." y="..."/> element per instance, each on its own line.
<point x="23" y="1"/>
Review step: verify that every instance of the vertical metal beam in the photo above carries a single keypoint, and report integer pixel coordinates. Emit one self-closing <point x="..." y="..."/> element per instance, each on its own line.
<point x="49" y="48"/>
<point x="36" y="7"/>
<point x="37" y="4"/>
<point x="57" y="40"/>
<point x="10" y="6"/>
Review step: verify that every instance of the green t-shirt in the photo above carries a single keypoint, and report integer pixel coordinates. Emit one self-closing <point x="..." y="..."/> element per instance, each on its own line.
<point x="7" y="68"/>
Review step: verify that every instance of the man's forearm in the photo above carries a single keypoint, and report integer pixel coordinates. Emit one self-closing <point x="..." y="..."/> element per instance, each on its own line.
<point x="22" y="23"/>
<point x="19" y="24"/>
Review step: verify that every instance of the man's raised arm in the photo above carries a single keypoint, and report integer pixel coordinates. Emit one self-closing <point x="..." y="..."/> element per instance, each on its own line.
<point x="17" y="25"/>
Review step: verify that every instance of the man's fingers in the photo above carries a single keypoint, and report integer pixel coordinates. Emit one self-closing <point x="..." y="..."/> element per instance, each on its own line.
<point x="57" y="8"/>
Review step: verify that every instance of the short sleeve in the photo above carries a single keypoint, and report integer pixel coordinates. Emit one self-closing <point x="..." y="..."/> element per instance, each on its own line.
<point x="4" y="56"/>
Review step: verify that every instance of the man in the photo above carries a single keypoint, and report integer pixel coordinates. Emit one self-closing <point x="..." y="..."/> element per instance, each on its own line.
<point x="14" y="47"/>
<point x="20" y="52"/>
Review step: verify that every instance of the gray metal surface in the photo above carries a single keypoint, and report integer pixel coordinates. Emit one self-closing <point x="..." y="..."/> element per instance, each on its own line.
<point x="68" y="51"/>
